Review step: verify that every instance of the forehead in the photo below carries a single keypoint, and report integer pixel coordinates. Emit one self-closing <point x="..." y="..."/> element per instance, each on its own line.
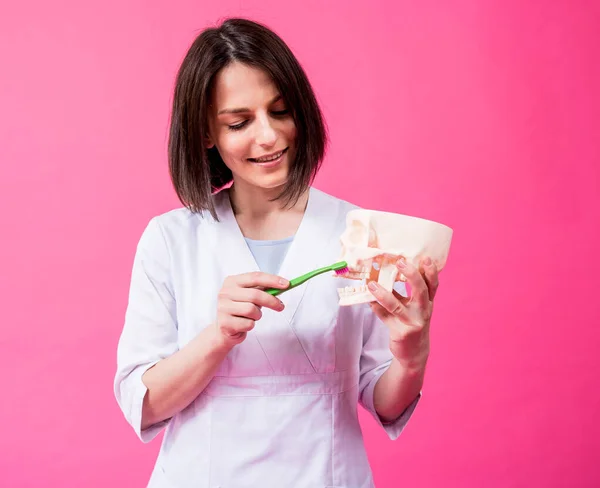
<point x="239" y="85"/>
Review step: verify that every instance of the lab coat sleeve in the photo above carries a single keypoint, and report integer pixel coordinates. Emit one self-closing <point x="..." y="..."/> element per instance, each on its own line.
<point x="150" y="330"/>
<point x="374" y="361"/>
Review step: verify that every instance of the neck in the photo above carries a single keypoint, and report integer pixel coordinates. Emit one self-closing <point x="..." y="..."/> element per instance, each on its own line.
<point x="255" y="203"/>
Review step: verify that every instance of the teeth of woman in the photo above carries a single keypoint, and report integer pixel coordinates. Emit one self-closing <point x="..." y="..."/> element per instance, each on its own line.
<point x="272" y="158"/>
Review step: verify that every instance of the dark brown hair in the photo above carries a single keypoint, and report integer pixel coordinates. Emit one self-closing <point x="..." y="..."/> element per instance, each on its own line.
<point x="196" y="172"/>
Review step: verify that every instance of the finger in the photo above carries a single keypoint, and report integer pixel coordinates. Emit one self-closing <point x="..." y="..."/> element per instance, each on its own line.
<point x="398" y="330"/>
<point x="240" y="309"/>
<point x="233" y="326"/>
<point x="399" y="322"/>
<point x="403" y="300"/>
<point x="260" y="279"/>
<point x="388" y="300"/>
<point x="382" y="313"/>
<point x="419" y="291"/>
<point x="254" y="296"/>
<point x="430" y="275"/>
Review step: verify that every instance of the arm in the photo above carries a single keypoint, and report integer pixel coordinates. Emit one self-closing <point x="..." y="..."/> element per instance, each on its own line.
<point x="408" y="320"/>
<point x="177" y="380"/>
<point x="385" y="385"/>
<point x="149" y="336"/>
<point x="174" y="382"/>
<point x="397" y="389"/>
<point x="155" y="379"/>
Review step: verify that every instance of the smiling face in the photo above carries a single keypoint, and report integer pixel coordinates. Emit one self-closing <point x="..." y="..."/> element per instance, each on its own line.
<point x="251" y="127"/>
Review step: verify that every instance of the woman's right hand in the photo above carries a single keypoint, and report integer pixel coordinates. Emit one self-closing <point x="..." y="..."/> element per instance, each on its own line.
<point x="240" y="301"/>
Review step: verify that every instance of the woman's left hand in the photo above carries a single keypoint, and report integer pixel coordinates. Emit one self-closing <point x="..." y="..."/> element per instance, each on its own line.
<point x="408" y="319"/>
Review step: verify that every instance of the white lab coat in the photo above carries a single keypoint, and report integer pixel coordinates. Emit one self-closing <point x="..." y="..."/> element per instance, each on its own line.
<point x="282" y="408"/>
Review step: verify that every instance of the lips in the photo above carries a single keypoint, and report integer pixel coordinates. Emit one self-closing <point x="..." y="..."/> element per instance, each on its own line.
<point x="268" y="158"/>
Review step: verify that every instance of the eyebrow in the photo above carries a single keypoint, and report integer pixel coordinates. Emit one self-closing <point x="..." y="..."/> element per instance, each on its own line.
<point x="244" y="110"/>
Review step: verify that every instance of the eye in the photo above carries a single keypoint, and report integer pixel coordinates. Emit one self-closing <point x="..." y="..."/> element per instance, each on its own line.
<point x="239" y="126"/>
<point x="280" y="113"/>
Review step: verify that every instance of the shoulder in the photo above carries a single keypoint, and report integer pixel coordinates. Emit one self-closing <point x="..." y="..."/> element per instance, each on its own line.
<point x="174" y="228"/>
<point x="177" y="221"/>
<point x="330" y="199"/>
<point x="326" y="201"/>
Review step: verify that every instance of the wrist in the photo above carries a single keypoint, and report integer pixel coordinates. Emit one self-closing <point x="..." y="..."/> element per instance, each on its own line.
<point x="218" y="343"/>
<point x="414" y="366"/>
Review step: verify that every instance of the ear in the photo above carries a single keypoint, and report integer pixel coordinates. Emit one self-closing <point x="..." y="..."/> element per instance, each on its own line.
<point x="208" y="142"/>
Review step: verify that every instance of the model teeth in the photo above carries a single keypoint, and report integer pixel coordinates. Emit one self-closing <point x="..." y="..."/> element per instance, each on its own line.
<point x="356" y="273"/>
<point x="353" y="275"/>
<point x="351" y="290"/>
<point x="272" y="158"/>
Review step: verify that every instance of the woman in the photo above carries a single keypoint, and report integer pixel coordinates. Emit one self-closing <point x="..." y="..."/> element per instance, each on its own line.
<point x="256" y="390"/>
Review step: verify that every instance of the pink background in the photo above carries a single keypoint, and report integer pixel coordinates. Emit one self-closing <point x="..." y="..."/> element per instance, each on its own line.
<point x="482" y="115"/>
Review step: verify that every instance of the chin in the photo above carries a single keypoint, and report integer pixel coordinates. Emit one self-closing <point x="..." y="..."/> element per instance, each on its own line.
<point x="271" y="183"/>
<point x="266" y="179"/>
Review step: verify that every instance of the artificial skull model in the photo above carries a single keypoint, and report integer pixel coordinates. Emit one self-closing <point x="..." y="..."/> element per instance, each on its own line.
<point x="373" y="241"/>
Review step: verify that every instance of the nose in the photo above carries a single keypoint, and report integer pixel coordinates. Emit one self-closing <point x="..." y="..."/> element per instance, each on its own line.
<point x="266" y="135"/>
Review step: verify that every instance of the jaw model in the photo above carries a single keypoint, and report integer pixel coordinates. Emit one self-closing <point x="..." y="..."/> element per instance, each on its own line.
<point x="373" y="242"/>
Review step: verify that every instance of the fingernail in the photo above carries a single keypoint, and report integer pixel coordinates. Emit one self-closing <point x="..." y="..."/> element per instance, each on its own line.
<point x="427" y="262"/>
<point x="281" y="305"/>
<point x="373" y="285"/>
<point x="401" y="263"/>
<point x="283" y="282"/>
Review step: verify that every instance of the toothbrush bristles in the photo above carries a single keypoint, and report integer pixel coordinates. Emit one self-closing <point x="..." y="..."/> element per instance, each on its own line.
<point x="342" y="271"/>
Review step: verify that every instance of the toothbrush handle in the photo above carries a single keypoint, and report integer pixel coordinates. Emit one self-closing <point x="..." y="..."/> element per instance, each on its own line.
<point x="298" y="281"/>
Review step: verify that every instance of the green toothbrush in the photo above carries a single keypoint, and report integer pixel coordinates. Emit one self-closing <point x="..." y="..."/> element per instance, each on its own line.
<point x="339" y="268"/>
